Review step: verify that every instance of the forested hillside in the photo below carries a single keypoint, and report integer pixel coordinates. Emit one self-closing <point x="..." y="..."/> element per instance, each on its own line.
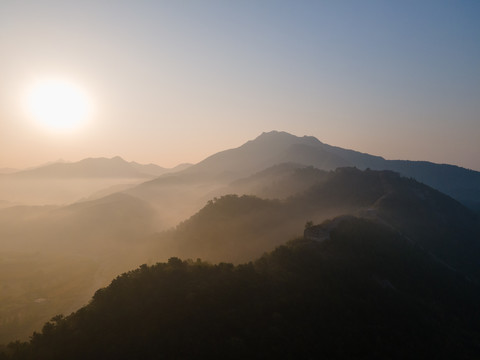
<point x="240" y="228"/>
<point x="116" y="233"/>
<point x="365" y="292"/>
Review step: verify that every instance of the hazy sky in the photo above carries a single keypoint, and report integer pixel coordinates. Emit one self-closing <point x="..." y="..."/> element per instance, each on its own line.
<point x="175" y="81"/>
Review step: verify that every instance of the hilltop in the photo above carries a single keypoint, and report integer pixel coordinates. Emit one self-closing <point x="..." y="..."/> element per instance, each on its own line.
<point x="365" y="292"/>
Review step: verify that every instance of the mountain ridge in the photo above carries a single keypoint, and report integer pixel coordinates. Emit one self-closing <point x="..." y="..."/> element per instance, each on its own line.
<point x="118" y="230"/>
<point x="364" y="292"/>
<point x="275" y="147"/>
<point x="430" y="218"/>
<point x="97" y="167"/>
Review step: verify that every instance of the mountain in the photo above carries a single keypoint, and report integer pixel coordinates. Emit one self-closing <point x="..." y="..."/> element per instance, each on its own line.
<point x="267" y="150"/>
<point x="178" y="195"/>
<point x="53" y="258"/>
<point x="461" y="184"/>
<point x="94" y="167"/>
<point x="238" y="228"/>
<point x="62" y="182"/>
<point x="219" y="231"/>
<point x="365" y="291"/>
<point x="116" y="231"/>
<point x="277" y="182"/>
<point x="89" y="227"/>
<point x="275" y="147"/>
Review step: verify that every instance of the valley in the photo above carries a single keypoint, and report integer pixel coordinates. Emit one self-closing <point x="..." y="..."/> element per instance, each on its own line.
<point x="223" y="209"/>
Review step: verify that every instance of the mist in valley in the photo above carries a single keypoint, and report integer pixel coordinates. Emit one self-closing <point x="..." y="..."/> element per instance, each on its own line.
<point x="57" y="255"/>
<point x="239" y="180"/>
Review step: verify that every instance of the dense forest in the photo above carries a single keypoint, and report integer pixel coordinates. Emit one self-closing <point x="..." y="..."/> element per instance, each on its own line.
<point x="364" y="292"/>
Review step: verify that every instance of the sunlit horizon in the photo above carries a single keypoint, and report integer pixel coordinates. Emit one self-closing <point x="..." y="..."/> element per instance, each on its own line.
<point x="176" y="82"/>
<point x="246" y="179"/>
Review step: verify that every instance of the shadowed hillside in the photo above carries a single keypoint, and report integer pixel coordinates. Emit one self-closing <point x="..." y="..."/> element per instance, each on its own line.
<point x="277" y="182"/>
<point x="115" y="232"/>
<point x="365" y="292"/>
<point x="239" y="228"/>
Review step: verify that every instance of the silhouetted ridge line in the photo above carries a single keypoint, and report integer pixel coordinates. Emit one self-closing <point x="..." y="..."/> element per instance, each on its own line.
<point x="363" y="291"/>
<point x="96" y="167"/>
<point x="272" y="148"/>
<point x="238" y="228"/>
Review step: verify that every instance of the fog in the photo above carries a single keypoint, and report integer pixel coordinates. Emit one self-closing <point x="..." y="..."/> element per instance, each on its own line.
<point x="54" y="191"/>
<point x="63" y="237"/>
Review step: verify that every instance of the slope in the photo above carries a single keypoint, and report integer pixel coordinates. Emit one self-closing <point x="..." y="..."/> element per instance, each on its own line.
<point x="239" y="228"/>
<point x="93" y="167"/>
<point x="53" y="258"/>
<point x="366" y="292"/>
<point x="114" y="232"/>
<point x="85" y="227"/>
<point x="209" y="177"/>
<point x="63" y="183"/>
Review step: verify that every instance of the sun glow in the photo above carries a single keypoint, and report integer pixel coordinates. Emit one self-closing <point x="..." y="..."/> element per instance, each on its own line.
<point x="58" y="105"/>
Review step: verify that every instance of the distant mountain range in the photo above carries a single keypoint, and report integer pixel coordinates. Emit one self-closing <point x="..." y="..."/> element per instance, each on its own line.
<point x="267" y="150"/>
<point x="233" y="206"/>
<point x="275" y="147"/>
<point x="62" y="182"/>
<point x="97" y="168"/>
<point x="186" y="191"/>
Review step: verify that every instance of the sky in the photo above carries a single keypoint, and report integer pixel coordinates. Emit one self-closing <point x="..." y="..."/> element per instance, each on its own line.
<point x="174" y="81"/>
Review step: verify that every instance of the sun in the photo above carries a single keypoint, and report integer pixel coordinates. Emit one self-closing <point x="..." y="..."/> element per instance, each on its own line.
<point x="58" y="105"/>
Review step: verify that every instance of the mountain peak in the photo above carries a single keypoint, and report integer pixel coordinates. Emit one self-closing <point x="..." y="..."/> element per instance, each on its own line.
<point x="282" y="138"/>
<point x="279" y="135"/>
<point x="266" y="134"/>
<point x="105" y="160"/>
